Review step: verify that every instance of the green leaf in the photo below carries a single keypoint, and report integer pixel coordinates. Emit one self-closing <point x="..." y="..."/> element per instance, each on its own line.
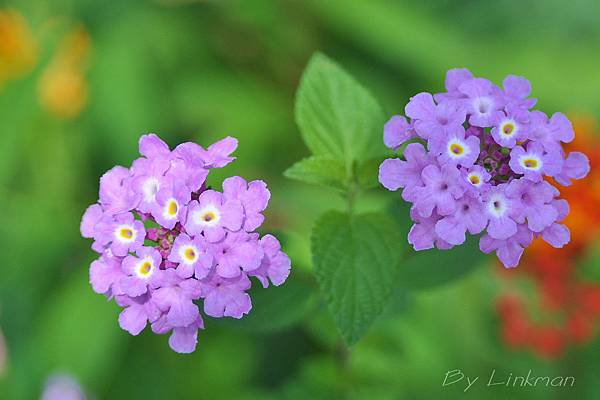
<point x="319" y="170"/>
<point x="337" y="117"/>
<point x="356" y="261"/>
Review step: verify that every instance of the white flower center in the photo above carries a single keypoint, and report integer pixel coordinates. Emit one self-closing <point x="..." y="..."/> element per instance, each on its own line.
<point x="207" y="216"/>
<point x="497" y="206"/>
<point x="144" y="268"/>
<point x="189" y="254"/>
<point x="530" y="162"/>
<point x="125" y="233"/>
<point x="150" y="188"/>
<point x="482" y="105"/>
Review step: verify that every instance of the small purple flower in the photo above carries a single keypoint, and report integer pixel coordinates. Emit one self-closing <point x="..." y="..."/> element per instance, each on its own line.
<point x="455" y="149"/>
<point x="508" y="250"/>
<point x="422" y="235"/>
<point x="239" y="251"/>
<point x="106" y="274"/>
<point x="192" y="257"/>
<point x="395" y="173"/>
<point x="171" y="205"/>
<point x="122" y="234"/>
<point x="176" y="300"/>
<point x="184" y="339"/>
<point x="558" y="235"/>
<point x="575" y="166"/>
<point x="511" y="127"/>
<point x="254" y="197"/>
<point x="517" y="90"/>
<point x="218" y="154"/>
<point x="476" y="180"/>
<point x="454" y="78"/>
<point x="226" y="297"/>
<point x="137" y="313"/>
<point x="151" y="146"/>
<point x="550" y="133"/>
<point x="469" y="216"/>
<point x="116" y="194"/>
<point x="188" y="165"/>
<point x="212" y="214"/>
<point x="442" y="187"/>
<point x="534" y="203"/>
<point x="397" y="131"/>
<point x="500" y="210"/>
<point x="92" y="216"/>
<point x="148" y="178"/>
<point x="534" y="162"/>
<point x="431" y="120"/>
<point x="484" y="101"/>
<point x="142" y="272"/>
<point x="275" y="265"/>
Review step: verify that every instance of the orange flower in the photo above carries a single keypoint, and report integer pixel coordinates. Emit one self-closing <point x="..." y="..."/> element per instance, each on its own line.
<point x="563" y="297"/>
<point x="18" y="50"/>
<point x="63" y="88"/>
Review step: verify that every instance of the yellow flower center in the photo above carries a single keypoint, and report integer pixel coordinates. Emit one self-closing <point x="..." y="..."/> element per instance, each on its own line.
<point x="126" y="233"/>
<point x="508" y="129"/>
<point x="456" y="148"/>
<point x="173" y="208"/>
<point x="189" y="254"/>
<point x="209" y="216"/>
<point x="474" y="179"/>
<point x="145" y="268"/>
<point x="530" y="163"/>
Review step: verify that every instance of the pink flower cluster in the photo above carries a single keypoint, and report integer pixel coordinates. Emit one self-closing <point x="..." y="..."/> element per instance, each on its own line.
<point x="167" y="241"/>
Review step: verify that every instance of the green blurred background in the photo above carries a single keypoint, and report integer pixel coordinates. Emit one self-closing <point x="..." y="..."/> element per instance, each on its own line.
<point x="81" y="80"/>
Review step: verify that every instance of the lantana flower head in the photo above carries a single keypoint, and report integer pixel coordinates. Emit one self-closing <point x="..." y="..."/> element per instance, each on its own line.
<point x="480" y="160"/>
<point x="169" y="243"/>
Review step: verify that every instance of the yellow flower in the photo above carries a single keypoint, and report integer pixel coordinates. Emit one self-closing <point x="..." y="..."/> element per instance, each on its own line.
<point x="18" y="49"/>
<point x="63" y="88"/>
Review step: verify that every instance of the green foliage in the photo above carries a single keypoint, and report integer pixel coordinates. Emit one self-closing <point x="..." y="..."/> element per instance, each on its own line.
<point x="356" y="262"/>
<point x="276" y="308"/>
<point x="429" y="268"/>
<point x="355" y="257"/>
<point x="319" y="170"/>
<point x="76" y="331"/>
<point x="337" y="117"/>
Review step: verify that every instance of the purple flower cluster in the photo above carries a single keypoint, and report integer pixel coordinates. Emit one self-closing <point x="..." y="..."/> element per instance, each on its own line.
<point x="167" y="241"/>
<point x="476" y="162"/>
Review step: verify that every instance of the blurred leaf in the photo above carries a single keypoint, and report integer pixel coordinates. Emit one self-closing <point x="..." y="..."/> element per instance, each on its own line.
<point x="356" y="261"/>
<point x="319" y="170"/>
<point x="337" y="117"/>
<point x="368" y="173"/>
<point x="277" y="307"/>
<point x="442" y="44"/>
<point x="589" y="266"/>
<point x="425" y="269"/>
<point x="77" y="332"/>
